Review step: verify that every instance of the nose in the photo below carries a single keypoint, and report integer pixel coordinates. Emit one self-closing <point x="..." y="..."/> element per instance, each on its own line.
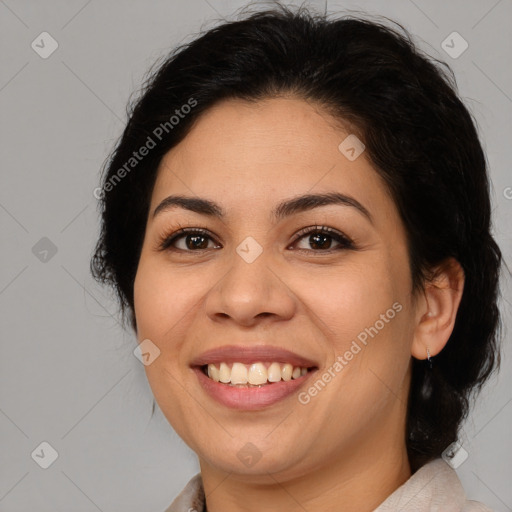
<point x="249" y="293"/>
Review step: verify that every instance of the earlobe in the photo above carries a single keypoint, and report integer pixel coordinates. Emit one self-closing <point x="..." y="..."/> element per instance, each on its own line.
<point x="441" y="300"/>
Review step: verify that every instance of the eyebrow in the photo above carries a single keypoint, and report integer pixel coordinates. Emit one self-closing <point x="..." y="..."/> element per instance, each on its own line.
<point x="285" y="209"/>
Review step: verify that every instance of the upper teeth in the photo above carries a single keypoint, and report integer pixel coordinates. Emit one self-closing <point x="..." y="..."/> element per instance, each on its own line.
<point x="256" y="373"/>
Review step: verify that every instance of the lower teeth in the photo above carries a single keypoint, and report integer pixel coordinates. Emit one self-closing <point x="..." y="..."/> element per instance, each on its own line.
<point x="246" y="385"/>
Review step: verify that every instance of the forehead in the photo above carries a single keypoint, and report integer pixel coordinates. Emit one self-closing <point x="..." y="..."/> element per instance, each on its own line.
<point x="260" y="153"/>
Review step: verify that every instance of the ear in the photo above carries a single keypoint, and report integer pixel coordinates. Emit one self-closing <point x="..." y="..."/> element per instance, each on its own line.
<point x="437" y="309"/>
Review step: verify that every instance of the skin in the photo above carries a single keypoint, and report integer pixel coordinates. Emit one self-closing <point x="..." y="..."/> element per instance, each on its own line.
<point x="347" y="445"/>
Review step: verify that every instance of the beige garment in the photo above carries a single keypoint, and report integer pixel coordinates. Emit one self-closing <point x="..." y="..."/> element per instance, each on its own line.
<point x="433" y="488"/>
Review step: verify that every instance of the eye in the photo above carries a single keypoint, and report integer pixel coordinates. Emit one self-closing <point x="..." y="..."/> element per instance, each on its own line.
<point x="198" y="239"/>
<point x="321" y="237"/>
<point x="192" y="240"/>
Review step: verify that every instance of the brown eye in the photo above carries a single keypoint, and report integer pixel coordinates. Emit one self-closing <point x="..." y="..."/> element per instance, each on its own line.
<point x="320" y="239"/>
<point x="188" y="240"/>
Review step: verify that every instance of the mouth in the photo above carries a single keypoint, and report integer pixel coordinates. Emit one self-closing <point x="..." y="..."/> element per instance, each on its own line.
<point x="252" y="387"/>
<point x="253" y="377"/>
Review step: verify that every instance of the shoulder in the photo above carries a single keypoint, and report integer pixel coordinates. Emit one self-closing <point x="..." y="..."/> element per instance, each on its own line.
<point x="475" y="506"/>
<point x="435" y="486"/>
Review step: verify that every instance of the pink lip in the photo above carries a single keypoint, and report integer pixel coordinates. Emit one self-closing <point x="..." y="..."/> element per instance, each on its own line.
<point x="251" y="354"/>
<point x="249" y="399"/>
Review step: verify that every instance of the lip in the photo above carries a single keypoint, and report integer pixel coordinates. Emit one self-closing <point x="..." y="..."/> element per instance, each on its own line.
<point x="251" y="354"/>
<point x="250" y="399"/>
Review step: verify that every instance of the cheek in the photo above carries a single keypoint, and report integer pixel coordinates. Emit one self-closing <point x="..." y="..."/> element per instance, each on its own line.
<point x="352" y="299"/>
<point x="161" y="300"/>
<point x="366" y="319"/>
<point x="364" y="312"/>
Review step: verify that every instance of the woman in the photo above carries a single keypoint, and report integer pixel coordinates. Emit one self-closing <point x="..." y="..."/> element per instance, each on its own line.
<point x="297" y="222"/>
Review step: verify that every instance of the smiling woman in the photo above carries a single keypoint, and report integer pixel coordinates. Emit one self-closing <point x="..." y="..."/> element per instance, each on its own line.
<point x="310" y="251"/>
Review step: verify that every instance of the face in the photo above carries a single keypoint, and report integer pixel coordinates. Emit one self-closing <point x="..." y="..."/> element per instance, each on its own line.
<point x="326" y="280"/>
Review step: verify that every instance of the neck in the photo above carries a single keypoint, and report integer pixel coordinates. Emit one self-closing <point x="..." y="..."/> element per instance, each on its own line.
<point x="359" y="480"/>
<point x="356" y="476"/>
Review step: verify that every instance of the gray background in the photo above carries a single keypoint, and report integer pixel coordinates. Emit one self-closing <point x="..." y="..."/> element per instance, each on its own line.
<point x="68" y="375"/>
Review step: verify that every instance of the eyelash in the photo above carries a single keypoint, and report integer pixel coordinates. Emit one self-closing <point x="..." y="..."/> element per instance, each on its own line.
<point x="166" y="241"/>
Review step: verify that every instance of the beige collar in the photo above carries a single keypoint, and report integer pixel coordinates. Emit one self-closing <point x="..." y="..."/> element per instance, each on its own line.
<point x="433" y="488"/>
